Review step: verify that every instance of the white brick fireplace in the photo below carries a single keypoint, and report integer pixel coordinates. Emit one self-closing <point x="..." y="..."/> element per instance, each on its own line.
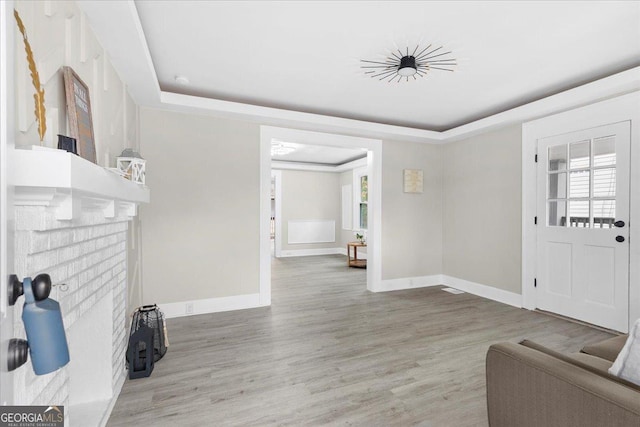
<point x="71" y="222"/>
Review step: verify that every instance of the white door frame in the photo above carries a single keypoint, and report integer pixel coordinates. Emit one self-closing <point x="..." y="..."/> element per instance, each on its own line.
<point x="614" y="110"/>
<point x="277" y="241"/>
<point x="7" y="29"/>
<point x="374" y="163"/>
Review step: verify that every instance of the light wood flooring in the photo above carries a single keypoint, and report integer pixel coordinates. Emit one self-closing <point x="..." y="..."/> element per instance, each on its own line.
<point x="327" y="352"/>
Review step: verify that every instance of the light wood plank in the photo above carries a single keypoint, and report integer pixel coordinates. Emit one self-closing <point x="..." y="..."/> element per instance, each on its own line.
<point x="327" y="352"/>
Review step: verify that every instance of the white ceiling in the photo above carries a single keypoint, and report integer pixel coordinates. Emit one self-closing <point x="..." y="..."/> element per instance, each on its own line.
<point x="304" y="56"/>
<point x="319" y="155"/>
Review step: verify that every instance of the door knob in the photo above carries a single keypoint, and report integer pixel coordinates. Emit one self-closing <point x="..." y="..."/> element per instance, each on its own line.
<point x="619" y="224"/>
<point x="620" y="239"/>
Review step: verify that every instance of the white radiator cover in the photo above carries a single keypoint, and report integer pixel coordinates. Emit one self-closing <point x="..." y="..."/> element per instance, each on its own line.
<point x="311" y="231"/>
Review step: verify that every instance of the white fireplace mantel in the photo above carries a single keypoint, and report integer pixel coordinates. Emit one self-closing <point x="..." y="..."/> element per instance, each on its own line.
<point x="56" y="178"/>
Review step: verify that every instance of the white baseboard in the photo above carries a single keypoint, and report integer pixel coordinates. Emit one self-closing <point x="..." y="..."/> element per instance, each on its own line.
<point x="211" y="305"/>
<point x="478" y="289"/>
<point x="343" y="251"/>
<point x="241" y="302"/>
<point x="484" y="291"/>
<point x="320" y="251"/>
<point x="409" y="283"/>
<point x="310" y="252"/>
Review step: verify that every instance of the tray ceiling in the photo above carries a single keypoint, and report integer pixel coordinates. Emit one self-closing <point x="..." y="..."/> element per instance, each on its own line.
<point x="305" y="56"/>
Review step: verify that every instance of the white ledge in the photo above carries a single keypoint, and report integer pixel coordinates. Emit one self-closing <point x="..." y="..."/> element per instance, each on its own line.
<point x="48" y="177"/>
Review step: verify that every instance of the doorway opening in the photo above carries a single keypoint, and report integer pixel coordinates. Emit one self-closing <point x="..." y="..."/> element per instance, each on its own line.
<point x="325" y="229"/>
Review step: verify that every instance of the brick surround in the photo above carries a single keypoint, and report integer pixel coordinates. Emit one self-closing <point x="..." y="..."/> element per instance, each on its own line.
<point x="89" y="255"/>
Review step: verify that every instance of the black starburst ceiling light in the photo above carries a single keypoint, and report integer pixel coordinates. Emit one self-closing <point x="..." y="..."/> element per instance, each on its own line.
<point x="398" y="66"/>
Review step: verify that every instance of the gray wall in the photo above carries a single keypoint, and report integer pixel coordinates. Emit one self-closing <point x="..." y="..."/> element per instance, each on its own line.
<point x="411" y="222"/>
<point x="482" y="209"/>
<point x="204" y="214"/>
<point x="310" y="196"/>
<point x="203" y="220"/>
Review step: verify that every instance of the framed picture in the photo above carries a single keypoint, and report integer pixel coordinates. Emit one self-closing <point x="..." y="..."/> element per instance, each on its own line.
<point x="79" y="109"/>
<point x="413" y="181"/>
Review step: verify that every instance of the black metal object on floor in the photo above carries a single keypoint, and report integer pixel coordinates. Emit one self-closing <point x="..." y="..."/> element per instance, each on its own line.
<point x="147" y="341"/>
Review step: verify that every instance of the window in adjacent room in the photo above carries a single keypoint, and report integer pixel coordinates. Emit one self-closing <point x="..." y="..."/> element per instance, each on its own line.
<point x="360" y="199"/>
<point x="364" y="199"/>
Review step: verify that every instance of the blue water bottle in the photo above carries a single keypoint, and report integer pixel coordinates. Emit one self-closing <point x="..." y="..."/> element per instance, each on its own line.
<point x="43" y="323"/>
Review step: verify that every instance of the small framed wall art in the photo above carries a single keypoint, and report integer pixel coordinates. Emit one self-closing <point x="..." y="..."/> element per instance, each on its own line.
<point x="79" y="109"/>
<point x="413" y="181"/>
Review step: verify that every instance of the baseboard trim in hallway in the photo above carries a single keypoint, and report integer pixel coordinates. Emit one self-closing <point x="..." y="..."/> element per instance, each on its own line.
<point x="484" y="291"/>
<point x="210" y="305"/>
<point x="242" y="302"/>
<point x="409" y="283"/>
<point x="311" y="252"/>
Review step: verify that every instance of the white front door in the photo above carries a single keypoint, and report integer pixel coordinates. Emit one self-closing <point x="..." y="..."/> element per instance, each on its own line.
<point x="583" y="225"/>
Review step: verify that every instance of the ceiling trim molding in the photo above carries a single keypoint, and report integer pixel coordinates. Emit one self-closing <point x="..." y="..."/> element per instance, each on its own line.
<point x="614" y="85"/>
<point x="283" y="165"/>
<point x="131" y="58"/>
<point x="281" y="117"/>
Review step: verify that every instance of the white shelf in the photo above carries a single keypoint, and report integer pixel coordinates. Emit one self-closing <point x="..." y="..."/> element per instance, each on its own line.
<point x="47" y="177"/>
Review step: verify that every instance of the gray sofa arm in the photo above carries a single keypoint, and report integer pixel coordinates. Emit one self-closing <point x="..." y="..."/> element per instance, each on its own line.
<point x="527" y="388"/>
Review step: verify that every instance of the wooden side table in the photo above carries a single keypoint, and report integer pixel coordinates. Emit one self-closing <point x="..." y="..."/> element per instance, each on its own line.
<point x="355" y="262"/>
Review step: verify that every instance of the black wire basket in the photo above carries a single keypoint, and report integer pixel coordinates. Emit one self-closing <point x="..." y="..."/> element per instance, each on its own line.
<point x="151" y="317"/>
